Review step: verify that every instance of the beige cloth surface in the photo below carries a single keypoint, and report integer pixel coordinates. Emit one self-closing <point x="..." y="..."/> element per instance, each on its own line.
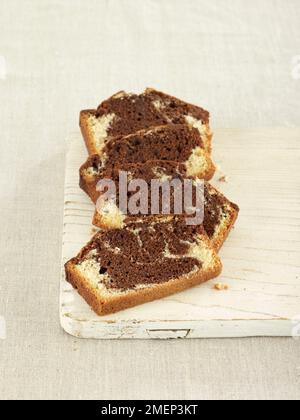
<point x="238" y="59"/>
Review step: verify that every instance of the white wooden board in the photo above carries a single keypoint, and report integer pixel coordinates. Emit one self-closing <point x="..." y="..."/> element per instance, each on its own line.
<point x="261" y="258"/>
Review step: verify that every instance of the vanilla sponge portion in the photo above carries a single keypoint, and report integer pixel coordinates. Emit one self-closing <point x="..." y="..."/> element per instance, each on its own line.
<point x="198" y="164"/>
<point x="98" y="128"/>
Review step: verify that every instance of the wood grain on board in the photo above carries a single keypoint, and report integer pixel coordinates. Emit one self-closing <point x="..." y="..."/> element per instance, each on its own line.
<point x="261" y="257"/>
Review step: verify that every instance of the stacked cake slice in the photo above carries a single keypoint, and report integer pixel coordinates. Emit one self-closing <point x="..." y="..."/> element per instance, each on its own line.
<point x="136" y="258"/>
<point x="126" y="113"/>
<point x="219" y="213"/>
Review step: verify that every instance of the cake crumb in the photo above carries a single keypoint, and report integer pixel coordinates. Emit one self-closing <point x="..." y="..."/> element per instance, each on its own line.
<point x="223" y="178"/>
<point x="221" y="286"/>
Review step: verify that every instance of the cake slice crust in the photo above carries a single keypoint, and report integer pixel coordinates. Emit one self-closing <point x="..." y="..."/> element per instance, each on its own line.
<point x="220" y="216"/>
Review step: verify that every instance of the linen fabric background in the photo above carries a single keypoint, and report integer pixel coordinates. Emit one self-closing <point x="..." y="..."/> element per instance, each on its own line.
<point x="238" y="59"/>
